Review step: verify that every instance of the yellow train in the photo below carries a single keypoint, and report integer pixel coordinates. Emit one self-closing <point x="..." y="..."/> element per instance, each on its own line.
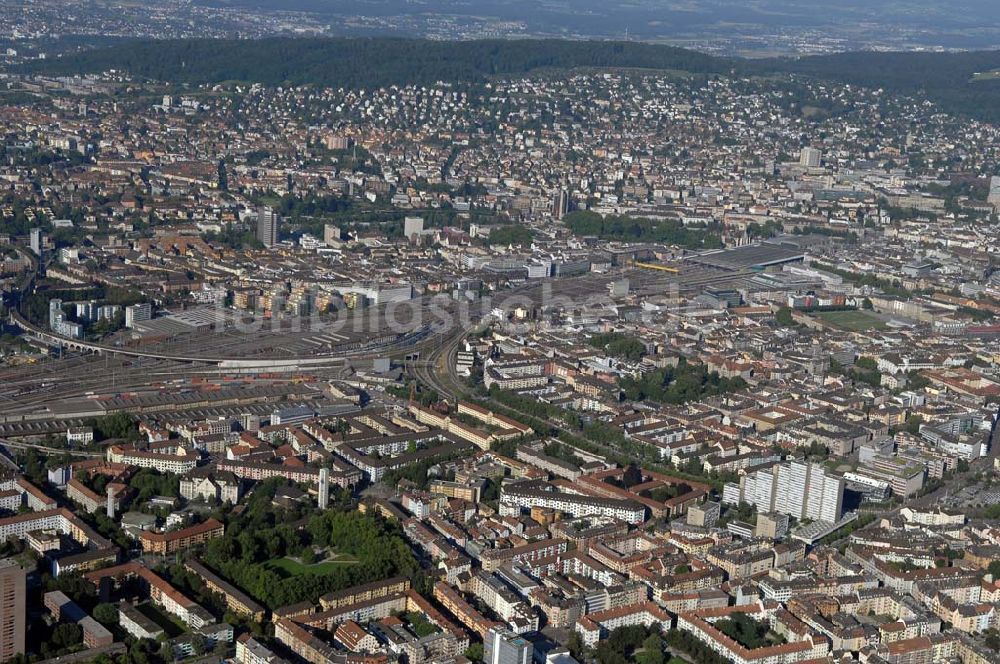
<point x="661" y="268"/>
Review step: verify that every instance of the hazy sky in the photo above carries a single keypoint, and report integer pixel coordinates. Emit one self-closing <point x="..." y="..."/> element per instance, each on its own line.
<point x="968" y="24"/>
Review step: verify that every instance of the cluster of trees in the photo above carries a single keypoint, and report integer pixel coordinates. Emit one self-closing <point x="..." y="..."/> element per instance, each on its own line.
<point x="913" y="423"/>
<point x="992" y="636"/>
<point x="851" y="236"/>
<point x="262" y="533"/>
<point x="619" y="345"/>
<point x="61" y="639"/>
<point x="67" y="637"/>
<point x="35" y="306"/>
<point x="632" y="476"/>
<point x="747" y="632"/>
<point x="115" y="426"/>
<point x="563" y="452"/>
<point x="97" y="330"/>
<point x="310" y="214"/>
<point x="424" y="396"/>
<point x="627" y="645"/>
<point x="680" y="384"/>
<point x="149" y="483"/>
<point x="744" y="512"/>
<point x="664" y="493"/>
<point x="418" y="473"/>
<point x="193" y="586"/>
<point x="978" y="315"/>
<point x="291" y="206"/>
<point x="845" y="532"/>
<point x="475" y="652"/>
<point x="695" y="649"/>
<point x="636" y="229"/>
<point x="865" y="370"/>
<point x="991" y="512"/>
<point x="510" y="234"/>
<point x="20" y="223"/>
<point x="233" y="237"/>
<point x="355" y="158"/>
<point x="593" y="436"/>
<point x="641" y="645"/>
<point x="887" y="286"/>
<point x="971" y="188"/>
<point x="944" y="78"/>
<point x="533" y="407"/>
<point x="770" y="228"/>
<point x="783" y="317"/>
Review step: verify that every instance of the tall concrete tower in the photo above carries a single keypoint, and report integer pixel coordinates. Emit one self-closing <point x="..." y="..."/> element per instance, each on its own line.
<point x="13" y="623"/>
<point x="267" y="226"/>
<point x="810" y="157"/>
<point x="36" y="240"/>
<point x="324" y="488"/>
<point x="560" y="204"/>
<point x="111" y="502"/>
<point x="994" y="195"/>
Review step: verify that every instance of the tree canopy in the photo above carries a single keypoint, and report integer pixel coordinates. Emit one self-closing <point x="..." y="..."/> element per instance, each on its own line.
<point x="263" y="534"/>
<point x="636" y="229"/>
<point x="366" y="62"/>
<point x="680" y="384"/>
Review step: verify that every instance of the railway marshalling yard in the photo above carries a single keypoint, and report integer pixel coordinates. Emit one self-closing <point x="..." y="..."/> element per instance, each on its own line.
<point x="243" y="365"/>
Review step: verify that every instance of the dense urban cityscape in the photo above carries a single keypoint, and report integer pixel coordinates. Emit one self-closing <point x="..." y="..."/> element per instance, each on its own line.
<point x="580" y="365"/>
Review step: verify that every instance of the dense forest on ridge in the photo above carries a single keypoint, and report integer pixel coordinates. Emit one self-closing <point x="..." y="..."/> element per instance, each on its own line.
<point x="960" y="83"/>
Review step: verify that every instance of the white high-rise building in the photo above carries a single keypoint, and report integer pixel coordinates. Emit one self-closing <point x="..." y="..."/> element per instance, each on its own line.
<point x="58" y="322"/>
<point x="502" y="646"/>
<point x="137" y="313"/>
<point x="833" y="498"/>
<point x="797" y="488"/>
<point x="560" y="204"/>
<point x="324" y="488"/>
<point x="413" y="227"/>
<point x="36" y="241"/>
<point x="760" y="487"/>
<point x="267" y="226"/>
<point x="331" y="235"/>
<point x="994" y="195"/>
<point x="793" y="489"/>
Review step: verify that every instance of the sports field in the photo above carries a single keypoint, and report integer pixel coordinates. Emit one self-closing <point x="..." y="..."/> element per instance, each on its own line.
<point x="852" y="321"/>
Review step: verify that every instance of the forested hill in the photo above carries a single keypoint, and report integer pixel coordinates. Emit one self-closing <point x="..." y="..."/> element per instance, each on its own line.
<point x="372" y="62"/>
<point x="959" y="82"/>
<point x="966" y="83"/>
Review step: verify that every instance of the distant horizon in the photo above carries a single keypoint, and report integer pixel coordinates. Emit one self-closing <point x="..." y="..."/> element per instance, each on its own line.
<point x="719" y="27"/>
<point x="105" y="42"/>
<point x="799" y="26"/>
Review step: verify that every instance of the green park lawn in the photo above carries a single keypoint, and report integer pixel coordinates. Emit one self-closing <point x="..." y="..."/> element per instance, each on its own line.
<point x="292" y="567"/>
